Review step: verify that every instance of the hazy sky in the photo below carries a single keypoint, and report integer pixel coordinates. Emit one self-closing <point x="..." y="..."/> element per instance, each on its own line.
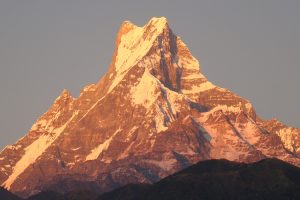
<point x="251" y="47"/>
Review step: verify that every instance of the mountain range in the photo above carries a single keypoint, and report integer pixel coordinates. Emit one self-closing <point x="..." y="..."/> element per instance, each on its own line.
<point x="152" y="114"/>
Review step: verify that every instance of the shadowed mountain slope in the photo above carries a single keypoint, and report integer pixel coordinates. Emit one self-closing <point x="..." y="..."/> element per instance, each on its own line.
<point x="220" y="179"/>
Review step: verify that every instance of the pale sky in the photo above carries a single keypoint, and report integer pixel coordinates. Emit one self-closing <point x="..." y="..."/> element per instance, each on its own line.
<point x="251" y="47"/>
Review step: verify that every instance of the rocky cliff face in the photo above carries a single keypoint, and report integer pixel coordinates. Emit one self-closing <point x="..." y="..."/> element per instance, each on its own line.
<point x="153" y="113"/>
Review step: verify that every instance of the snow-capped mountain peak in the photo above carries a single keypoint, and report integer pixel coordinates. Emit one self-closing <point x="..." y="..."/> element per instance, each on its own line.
<point x="152" y="113"/>
<point x="133" y="43"/>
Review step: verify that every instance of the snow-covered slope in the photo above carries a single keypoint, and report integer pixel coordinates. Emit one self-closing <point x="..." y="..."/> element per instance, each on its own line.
<point x="153" y="113"/>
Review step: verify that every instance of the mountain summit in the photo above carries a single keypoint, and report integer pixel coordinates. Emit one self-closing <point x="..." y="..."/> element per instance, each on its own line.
<point x="152" y="114"/>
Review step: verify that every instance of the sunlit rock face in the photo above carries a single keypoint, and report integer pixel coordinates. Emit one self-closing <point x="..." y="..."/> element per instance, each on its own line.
<point x="152" y="114"/>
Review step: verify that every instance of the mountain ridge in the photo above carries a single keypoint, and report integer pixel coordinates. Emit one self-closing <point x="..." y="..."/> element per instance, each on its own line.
<point x="220" y="179"/>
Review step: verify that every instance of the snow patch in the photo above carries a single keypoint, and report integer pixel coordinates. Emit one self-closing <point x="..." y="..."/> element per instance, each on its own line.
<point x="286" y="136"/>
<point x="95" y="153"/>
<point x="93" y="106"/>
<point x="130" y="133"/>
<point x="33" y="151"/>
<point x="134" y="45"/>
<point x="146" y="92"/>
<point x="199" y="88"/>
<point x="75" y="149"/>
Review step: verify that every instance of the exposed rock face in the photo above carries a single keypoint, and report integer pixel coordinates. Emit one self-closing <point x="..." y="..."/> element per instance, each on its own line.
<point x="152" y="114"/>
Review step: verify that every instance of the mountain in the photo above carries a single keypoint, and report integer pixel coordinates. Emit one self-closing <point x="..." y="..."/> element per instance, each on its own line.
<point x="220" y="179"/>
<point x="152" y="114"/>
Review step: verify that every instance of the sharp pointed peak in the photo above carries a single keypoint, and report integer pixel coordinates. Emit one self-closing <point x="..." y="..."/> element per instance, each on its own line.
<point x="127" y="24"/>
<point x="158" y="20"/>
<point x="157" y="23"/>
<point x="125" y="27"/>
<point x="161" y="20"/>
<point x="130" y="37"/>
<point x="65" y="94"/>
